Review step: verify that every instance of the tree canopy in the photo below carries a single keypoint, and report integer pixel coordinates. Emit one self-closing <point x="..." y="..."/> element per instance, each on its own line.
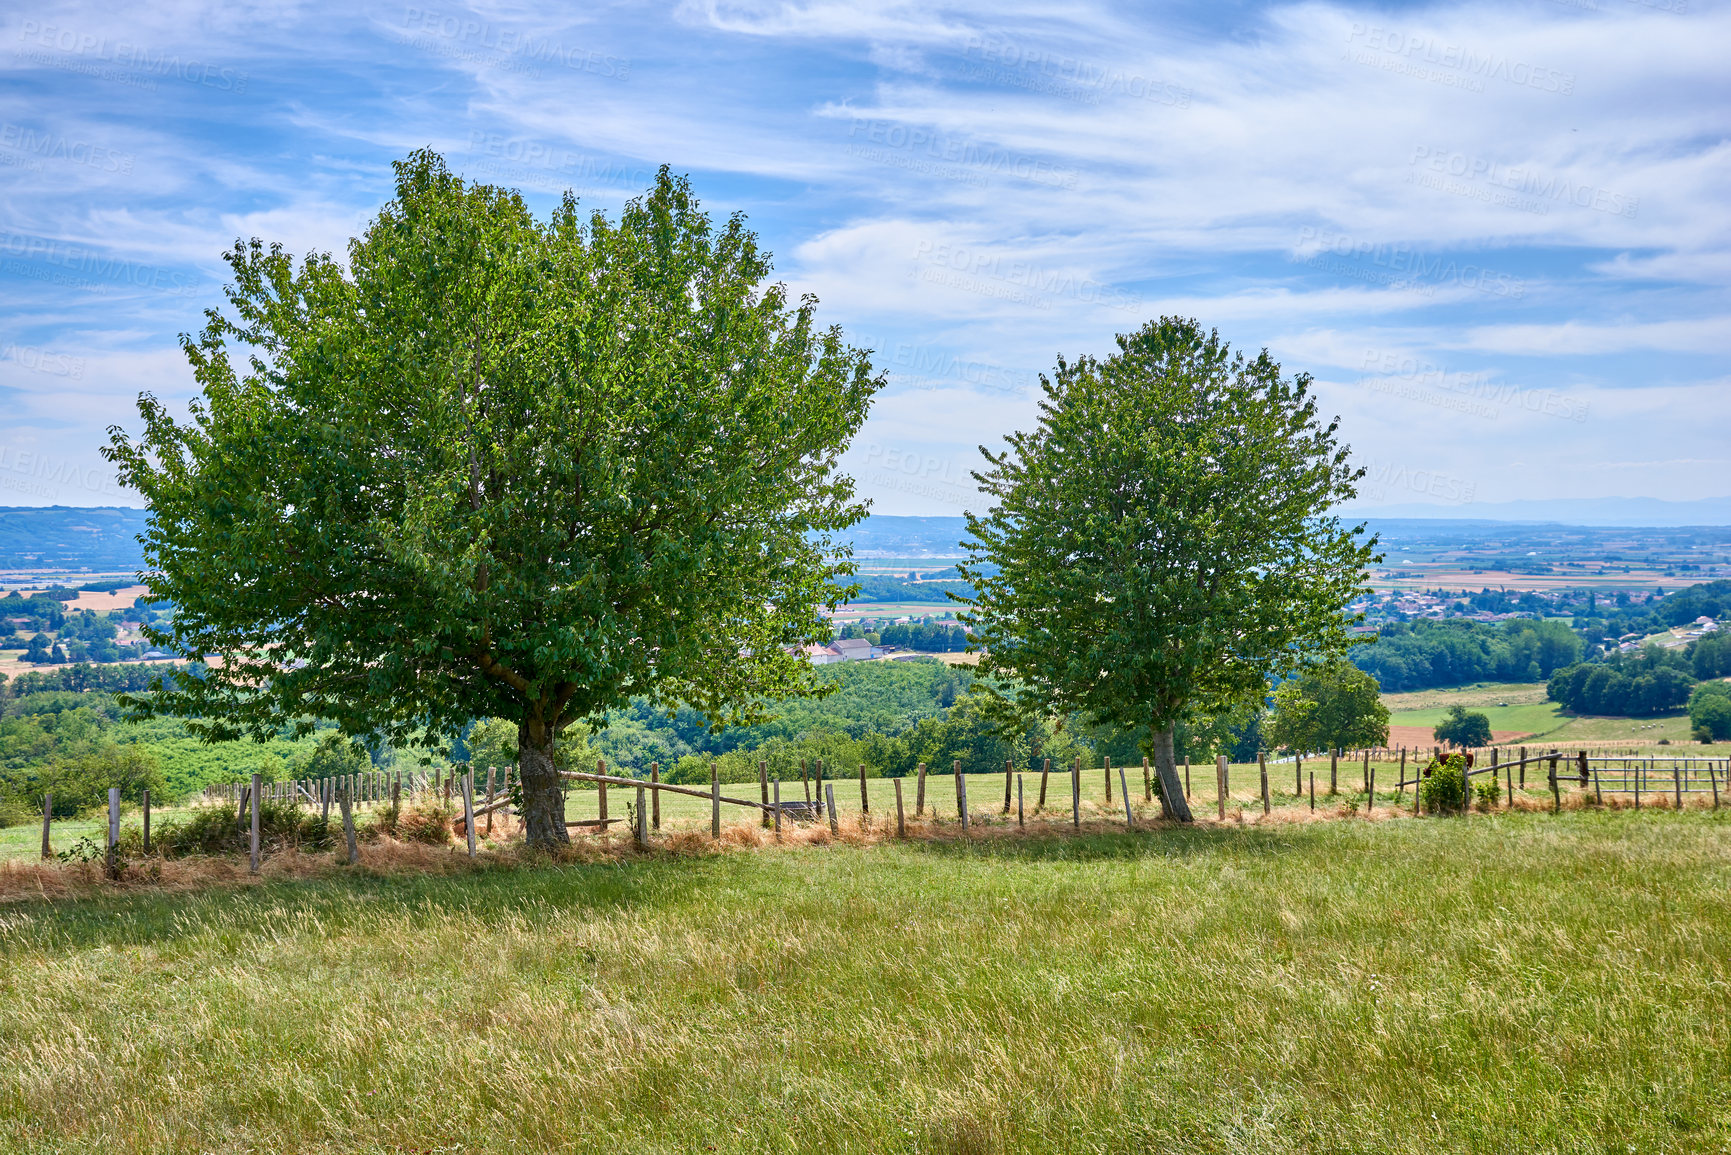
<point x="1160" y="542"/>
<point x="1333" y="707"/>
<point x="1463" y="729"/>
<point x="498" y="466"/>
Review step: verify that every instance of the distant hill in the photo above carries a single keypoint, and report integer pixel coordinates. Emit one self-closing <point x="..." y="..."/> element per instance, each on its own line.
<point x="1629" y="512"/>
<point x="63" y="537"/>
<point x="105" y="539"/>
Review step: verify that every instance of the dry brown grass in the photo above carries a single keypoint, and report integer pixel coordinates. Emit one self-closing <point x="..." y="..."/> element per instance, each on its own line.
<point x="385" y="856"/>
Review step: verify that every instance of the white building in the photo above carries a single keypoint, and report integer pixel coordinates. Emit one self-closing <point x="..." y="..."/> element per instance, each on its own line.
<point x="822" y="656"/>
<point x="856" y="649"/>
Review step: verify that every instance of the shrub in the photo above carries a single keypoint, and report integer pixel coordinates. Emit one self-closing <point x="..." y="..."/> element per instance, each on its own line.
<point x="1488" y="793"/>
<point x="1444" y="789"/>
<point x="427" y="818"/>
<point x="217" y="830"/>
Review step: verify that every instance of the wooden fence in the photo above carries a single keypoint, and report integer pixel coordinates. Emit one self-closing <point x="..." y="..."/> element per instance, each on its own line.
<point x="1641" y="777"/>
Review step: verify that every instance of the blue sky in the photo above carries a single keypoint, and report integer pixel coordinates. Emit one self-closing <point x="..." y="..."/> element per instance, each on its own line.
<point x="1497" y="235"/>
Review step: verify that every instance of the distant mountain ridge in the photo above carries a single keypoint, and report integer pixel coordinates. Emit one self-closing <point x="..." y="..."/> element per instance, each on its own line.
<point x="102" y="538"/>
<point x="105" y="539"/>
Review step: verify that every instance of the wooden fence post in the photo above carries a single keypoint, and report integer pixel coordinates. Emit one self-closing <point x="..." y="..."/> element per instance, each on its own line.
<point x="1370" y="794"/>
<point x="961" y="801"/>
<point x="1313" y="794"/>
<point x="829" y="793"/>
<point x="1008" y="768"/>
<point x="113" y="832"/>
<point x="1713" y="781"/>
<point x="490" y="798"/>
<point x="47" y="817"/>
<point x="1367" y="769"/>
<point x="901" y="817"/>
<point x="601" y="799"/>
<point x="1076" y="793"/>
<point x="1045" y="773"/>
<point x="715" y="799"/>
<point x="1187" y="778"/>
<point x="1021" y="816"/>
<point x="817" y="770"/>
<point x="962" y="786"/>
<point x="920" y="793"/>
<point x="778" y="807"/>
<point x="147" y="822"/>
<point x="469" y="808"/>
<point x="345" y="802"/>
<point x="1106" y="772"/>
<point x="1267" y="802"/>
<point x="1124" y="789"/>
<point x="1221" y="783"/>
<point x="1262" y="768"/>
<point x="257" y="786"/>
<point x="865" y="802"/>
<point x="1297" y="772"/>
<point x="327" y="787"/>
<point x="1333" y="772"/>
<point x="1523" y="767"/>
<point x="1148" y="782"/>
<point x="655" y="795"/>
<point x="641" y="826"/>
<point x="1677" y="785"/>
<point x="1556" y="792"/>
<point x="763" y="787"/>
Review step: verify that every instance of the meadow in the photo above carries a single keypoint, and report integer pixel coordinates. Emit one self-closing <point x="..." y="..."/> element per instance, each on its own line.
<point x="1508" y="981"/>
<point x="1523" y="707"/>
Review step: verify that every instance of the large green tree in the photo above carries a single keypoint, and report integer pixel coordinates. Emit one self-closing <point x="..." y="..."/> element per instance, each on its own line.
<point x="1160" y="543"/>
<point x="497" y="466"/>
<point x="1335" y="706"/>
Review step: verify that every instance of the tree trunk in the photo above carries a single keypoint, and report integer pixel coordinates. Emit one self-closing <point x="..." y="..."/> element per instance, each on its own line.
<point x="1172" y="800"/>
<point x="543" y="792"/>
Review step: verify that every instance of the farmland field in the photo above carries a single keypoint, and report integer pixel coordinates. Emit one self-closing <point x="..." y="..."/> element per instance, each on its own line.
<point x="1499" y="982"/>
<point x="1521" y="707"/>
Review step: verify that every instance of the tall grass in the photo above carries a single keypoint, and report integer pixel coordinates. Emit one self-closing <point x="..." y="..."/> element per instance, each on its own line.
<point x="1491" y="983"/>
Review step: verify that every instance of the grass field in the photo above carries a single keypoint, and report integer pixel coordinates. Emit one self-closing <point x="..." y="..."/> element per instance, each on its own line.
<point x="1523" y="707"/>
<point x="1494" y="983"/>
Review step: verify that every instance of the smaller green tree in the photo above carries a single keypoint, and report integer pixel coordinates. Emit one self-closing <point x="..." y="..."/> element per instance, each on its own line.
<point x="1463" y="729"/>
<point x="1335" y="706"/>
<point x="1710" y="711"/>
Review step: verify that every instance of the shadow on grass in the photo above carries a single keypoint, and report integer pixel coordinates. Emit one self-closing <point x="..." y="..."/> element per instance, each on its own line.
<point x="532" y="890"/>
<point x="1162" y="840"/>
